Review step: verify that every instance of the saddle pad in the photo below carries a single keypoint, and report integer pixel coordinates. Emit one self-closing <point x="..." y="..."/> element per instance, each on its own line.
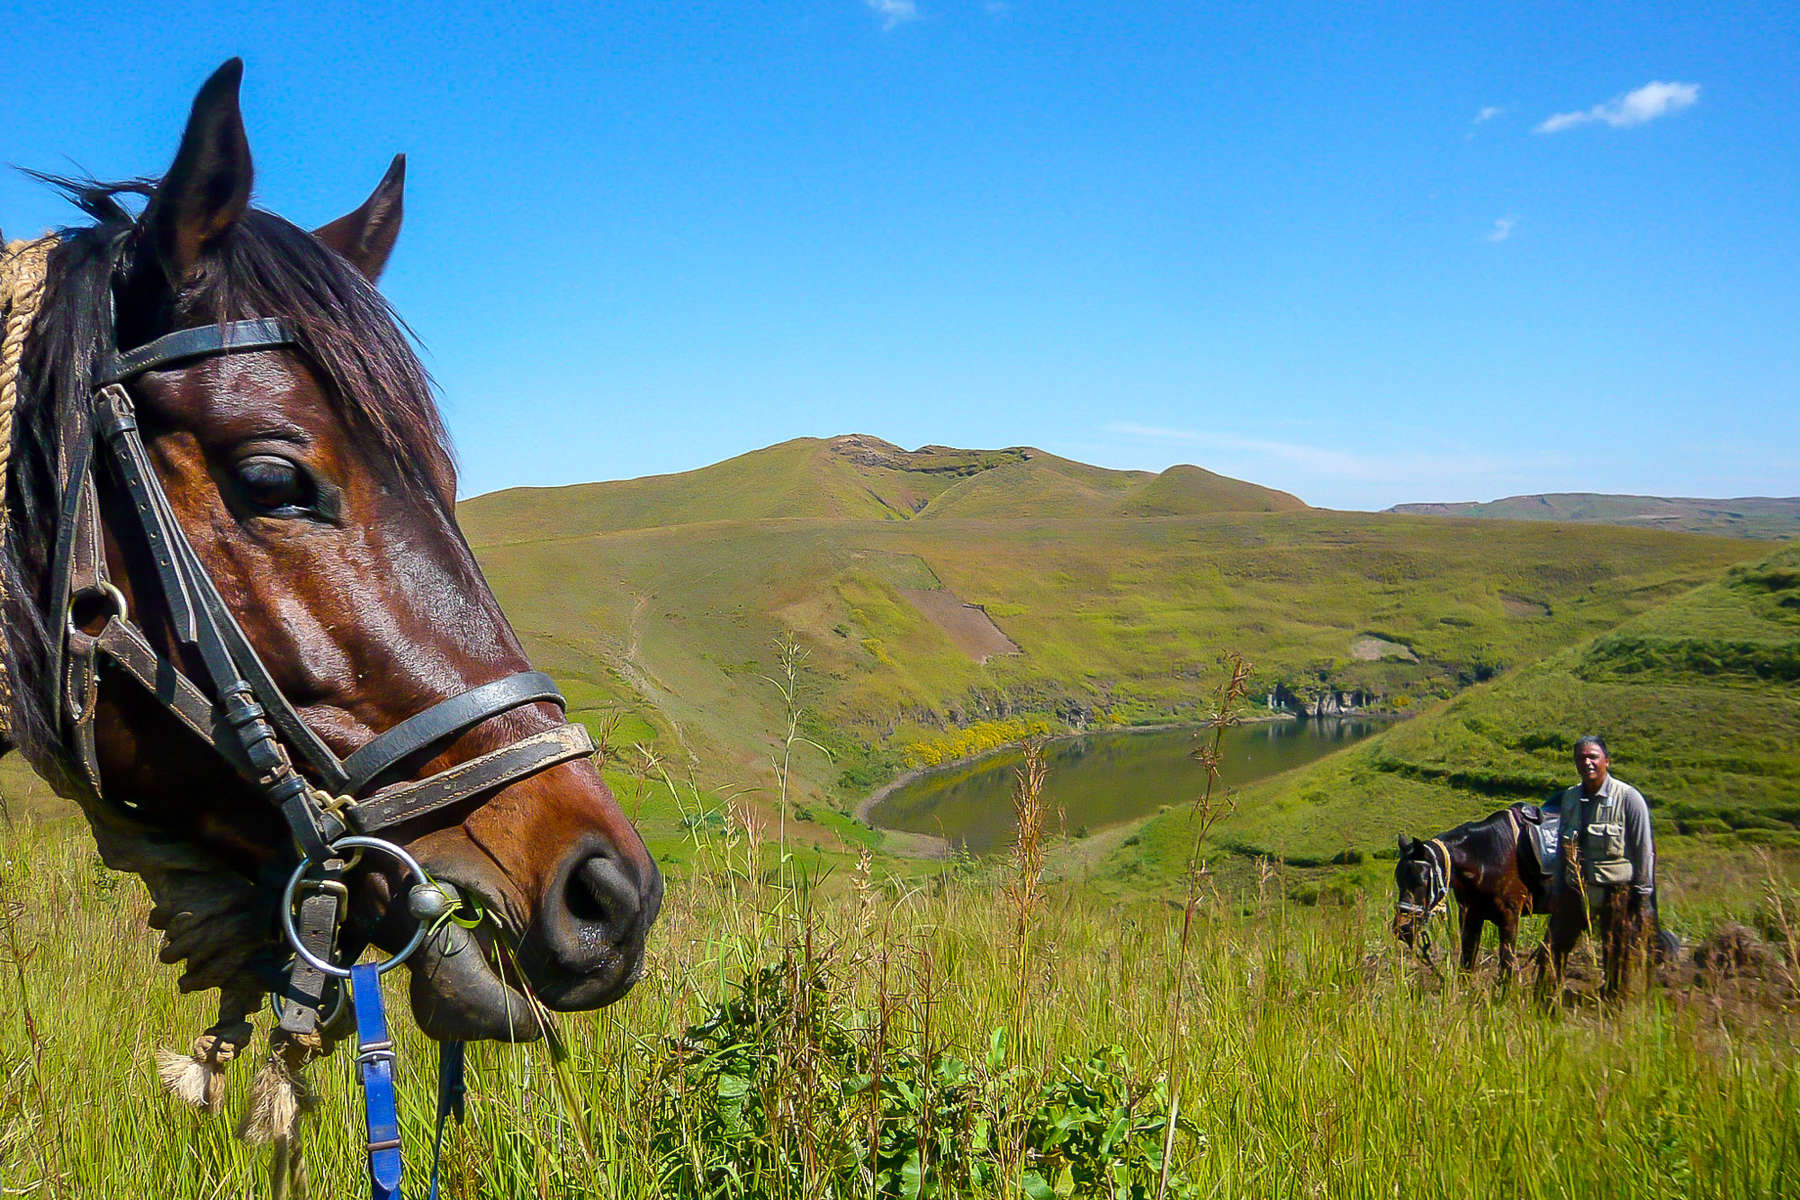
<point x="1541" y="841"/>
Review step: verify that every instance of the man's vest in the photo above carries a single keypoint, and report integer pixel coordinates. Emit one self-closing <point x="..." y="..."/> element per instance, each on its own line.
<point x="1599" y="840"/>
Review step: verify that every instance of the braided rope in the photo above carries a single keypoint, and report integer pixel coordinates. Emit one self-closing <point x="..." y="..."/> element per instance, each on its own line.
<point x="23" y="265"/>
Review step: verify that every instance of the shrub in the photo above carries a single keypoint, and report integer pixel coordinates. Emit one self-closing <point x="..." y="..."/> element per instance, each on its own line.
<point x="780" y="1092"/>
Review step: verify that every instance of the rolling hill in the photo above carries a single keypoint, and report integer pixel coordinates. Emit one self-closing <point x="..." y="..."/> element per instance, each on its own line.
<point x="857" y="477"/>
<point x="938" y="590"/>
<point x="1698" y="698"/>
<point x="1746" y="517"/>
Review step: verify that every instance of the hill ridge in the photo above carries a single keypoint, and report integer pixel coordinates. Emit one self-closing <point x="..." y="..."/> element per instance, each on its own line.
<point x="862" y="477"/>
<point x="1775" y="518"/>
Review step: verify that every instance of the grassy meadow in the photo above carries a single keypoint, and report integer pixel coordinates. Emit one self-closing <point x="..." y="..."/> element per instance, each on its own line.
<point x="859" y="1035"/>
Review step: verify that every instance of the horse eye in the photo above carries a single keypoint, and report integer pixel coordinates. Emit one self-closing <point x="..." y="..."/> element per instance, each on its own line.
<point x="275" y="484"/>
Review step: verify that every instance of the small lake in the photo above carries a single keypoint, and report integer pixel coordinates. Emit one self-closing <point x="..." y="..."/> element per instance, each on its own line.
<point x="1104" y="778"/>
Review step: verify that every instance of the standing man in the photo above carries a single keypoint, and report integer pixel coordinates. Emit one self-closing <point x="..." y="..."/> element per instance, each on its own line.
<point x="1607" y="879"/>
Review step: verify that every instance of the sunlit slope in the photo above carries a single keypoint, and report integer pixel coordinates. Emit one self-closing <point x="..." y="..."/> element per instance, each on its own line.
<point x="862" y="478"/>
<point x="1118" y="619"/>
<point x="1046" y="486"/>
<point x="1184" y="490"/>
<point x="1698" y="698"/>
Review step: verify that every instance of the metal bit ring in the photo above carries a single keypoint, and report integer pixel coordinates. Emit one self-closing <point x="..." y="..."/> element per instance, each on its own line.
<point x="289" y="893"/>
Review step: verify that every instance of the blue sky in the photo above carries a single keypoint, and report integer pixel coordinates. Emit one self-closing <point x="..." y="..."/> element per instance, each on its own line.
<point x="1408" y="253"/>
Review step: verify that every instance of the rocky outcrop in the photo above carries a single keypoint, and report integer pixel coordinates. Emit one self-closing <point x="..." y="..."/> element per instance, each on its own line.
<point x="867" y="451"/>
<point x="1327" y="702"/>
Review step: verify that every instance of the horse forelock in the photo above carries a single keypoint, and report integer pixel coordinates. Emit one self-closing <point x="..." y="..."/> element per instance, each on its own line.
<point x="267" y="267"/>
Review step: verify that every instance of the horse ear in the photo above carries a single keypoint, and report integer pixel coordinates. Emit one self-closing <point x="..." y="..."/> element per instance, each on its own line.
<point x="366" y="237"/>
<point x="1406" y="846"/>
<point x="208" y="187"/>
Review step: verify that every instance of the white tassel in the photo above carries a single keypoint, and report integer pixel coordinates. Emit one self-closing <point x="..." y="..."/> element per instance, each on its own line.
<point x="198" y="1078"/>
<point x="277" y="1098"/>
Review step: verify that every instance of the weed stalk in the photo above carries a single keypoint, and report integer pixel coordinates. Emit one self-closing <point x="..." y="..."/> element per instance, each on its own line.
<point x="16" y="956"/>
<point x="1202" y="816"/>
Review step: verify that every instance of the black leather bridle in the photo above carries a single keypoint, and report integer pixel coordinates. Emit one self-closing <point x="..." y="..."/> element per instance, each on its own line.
<point x="334" y="807"/>
<point x="235" y="705"/>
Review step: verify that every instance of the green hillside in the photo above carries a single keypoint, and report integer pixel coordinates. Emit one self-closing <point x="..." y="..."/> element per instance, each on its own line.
<point x="857" y="477"/>
<point x="1763" y="517"/>
<point x="1698" y="698"/>
<point x="941" y="589"/>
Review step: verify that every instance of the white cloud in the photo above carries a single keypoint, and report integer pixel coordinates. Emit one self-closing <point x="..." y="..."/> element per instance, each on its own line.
<point x="894" y="12"/>
<point x="1503" y="227"/>
<point x="1653" y="100"/>
<point x="1488" y="113"/>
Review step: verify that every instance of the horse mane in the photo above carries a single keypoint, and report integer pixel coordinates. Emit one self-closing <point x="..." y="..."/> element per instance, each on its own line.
<point x="263" y="266"/>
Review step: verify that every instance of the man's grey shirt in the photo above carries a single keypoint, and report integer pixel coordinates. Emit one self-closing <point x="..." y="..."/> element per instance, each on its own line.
<point x="1640" y="844"/>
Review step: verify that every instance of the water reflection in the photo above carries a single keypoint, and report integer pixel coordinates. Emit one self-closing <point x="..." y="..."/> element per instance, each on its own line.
<point x="1101" y="779"/>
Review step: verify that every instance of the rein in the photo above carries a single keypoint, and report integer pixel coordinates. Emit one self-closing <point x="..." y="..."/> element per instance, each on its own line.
<point x="334" y="807"/>
<point x="22" y="269"/>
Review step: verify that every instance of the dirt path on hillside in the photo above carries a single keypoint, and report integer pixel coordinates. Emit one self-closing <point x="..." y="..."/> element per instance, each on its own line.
<point x="638" y="675"/>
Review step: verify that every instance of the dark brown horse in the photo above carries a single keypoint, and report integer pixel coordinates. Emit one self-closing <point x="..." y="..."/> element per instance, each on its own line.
<point x="1491" y="871"/>
<point x="311" y="477"/>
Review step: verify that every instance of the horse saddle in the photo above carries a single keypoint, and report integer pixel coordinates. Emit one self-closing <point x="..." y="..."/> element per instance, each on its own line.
<point x="1538" y="829"/>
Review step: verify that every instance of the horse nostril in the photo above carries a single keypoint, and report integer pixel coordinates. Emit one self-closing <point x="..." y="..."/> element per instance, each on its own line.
<point x="602" y="893"/>
<point x="588" y="933"/>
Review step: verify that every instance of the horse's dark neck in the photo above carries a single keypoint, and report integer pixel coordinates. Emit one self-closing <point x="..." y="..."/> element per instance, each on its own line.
<point x="1479" y="848"/>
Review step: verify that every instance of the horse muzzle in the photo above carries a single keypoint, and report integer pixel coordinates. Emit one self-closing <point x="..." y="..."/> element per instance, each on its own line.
<point x="582" y="948"/>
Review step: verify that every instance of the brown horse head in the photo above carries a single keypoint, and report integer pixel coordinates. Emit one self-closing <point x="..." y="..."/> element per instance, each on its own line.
<point x="1421" y="883"/>
<point x="315" y="486"/>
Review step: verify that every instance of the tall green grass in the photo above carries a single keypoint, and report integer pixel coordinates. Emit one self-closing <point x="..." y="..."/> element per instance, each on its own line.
<point x="1318" y="1061"/>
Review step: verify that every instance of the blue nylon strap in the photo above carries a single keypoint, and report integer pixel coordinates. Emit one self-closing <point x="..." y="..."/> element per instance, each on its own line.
<point x="375" y="1071"/>
<point x="449" y="1104"/>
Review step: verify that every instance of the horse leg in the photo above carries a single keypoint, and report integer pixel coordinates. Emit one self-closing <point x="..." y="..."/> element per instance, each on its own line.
<point x="1508" y="924"/>
<point x="1624" y="942"/>
<point x="1560" y="938"/>
<point x="1612" y="944"/>
<point x="1471" y="936"/>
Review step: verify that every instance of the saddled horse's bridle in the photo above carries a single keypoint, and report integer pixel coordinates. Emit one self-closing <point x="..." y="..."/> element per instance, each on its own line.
<point x="1437" y="896"/>
<point x="331" y="805"/>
